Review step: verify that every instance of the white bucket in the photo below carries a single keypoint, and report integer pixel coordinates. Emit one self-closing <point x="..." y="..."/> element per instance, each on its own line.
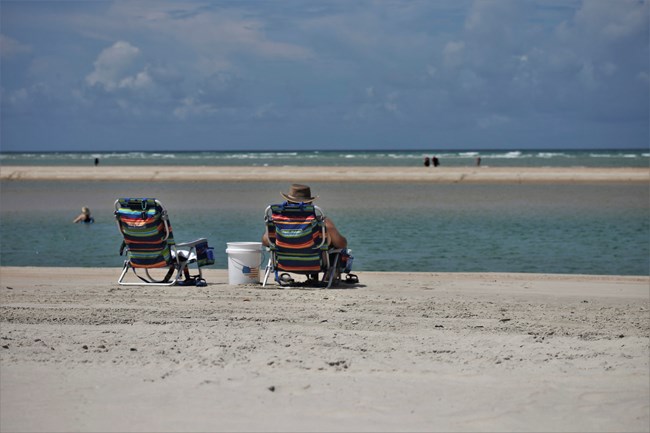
<point x="244" y="261"/>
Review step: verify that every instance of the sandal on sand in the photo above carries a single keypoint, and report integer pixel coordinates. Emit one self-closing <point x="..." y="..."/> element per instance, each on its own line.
<point x="192" y="281"/>
<point x="285" y="280"/>
<point x="351" y="279"/>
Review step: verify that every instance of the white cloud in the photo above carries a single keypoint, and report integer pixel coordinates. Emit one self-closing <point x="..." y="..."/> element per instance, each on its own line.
<point x="113" y="65"/>
<point x="605" y="30"/>
<point x="453" y="54"/>
<point x="191" y="107"/>
<point x="587" y="76"/>
<point x="390" y="106"/>
<point x="23" y="100"/>
<point x="217" y="34"/>
<point x="613" y="20"/>
<point x="139" y="81"/>
<point x="644" y="77"/>
<point x="10" y="47"/>
<point x="376" y="104"/>
<point x="470" y="81"/>
<point x="453" y="61"/>
<point x="267" y="111"/>
<point x="19" y="99"/>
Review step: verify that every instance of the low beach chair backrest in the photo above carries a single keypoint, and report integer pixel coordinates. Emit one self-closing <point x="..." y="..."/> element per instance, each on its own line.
<point x="297" y="234"/>
<point x="146" y="230"/>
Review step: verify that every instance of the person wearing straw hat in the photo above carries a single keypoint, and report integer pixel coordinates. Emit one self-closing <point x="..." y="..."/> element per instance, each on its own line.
<point x="84" y="216"/>
<point x="302" y="194"/>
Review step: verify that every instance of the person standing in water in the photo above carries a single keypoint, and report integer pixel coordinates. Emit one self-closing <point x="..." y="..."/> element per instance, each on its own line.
<point x="84" y="216"/>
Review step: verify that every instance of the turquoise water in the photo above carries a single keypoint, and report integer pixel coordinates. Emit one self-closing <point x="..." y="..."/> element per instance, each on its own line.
<point x="575" y="229"/>
<point x="496" y="158"/>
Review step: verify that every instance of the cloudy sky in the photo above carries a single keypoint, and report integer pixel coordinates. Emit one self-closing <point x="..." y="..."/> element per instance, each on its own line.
<point x="350" y="74"/>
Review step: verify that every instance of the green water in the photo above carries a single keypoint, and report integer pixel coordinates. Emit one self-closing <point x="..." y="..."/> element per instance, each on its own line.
<point x="576" y="229"/>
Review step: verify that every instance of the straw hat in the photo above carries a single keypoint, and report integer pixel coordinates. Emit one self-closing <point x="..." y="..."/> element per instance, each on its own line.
<point x="299" y="193"/>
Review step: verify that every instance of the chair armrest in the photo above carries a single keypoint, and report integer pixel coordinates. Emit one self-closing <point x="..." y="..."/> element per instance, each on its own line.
<point x="192" y="244"/>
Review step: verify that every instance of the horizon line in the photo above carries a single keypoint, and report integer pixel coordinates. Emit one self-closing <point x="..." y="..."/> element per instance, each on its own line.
<point x="333" y="150"/>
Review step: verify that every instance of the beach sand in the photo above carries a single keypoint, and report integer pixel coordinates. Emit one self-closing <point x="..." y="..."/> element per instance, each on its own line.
<point x="329" y="174"/>
<point x="397" y="352"/>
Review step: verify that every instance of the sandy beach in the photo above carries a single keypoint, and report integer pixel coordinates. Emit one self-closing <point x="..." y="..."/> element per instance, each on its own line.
<point x="397" y="352"/>
<point x="329" y="174"/>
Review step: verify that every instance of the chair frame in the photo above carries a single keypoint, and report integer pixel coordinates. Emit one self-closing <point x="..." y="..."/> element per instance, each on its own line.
<point x="330" y="271"/>
<point x="182" y="255"/>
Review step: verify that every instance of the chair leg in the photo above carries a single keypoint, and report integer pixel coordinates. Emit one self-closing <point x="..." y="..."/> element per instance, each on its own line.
<point x="191" y="270"/>
<point x="333" y="271"/>
<point x="267" y="272"/>
<point x="266" y="276"/>
<point x="125" y="269"/>
<point x="148" y="281"/>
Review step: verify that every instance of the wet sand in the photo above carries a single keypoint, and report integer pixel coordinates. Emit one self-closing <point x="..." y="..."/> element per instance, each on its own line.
<point x="329" y="174"/>
<point x="397" y="352"/>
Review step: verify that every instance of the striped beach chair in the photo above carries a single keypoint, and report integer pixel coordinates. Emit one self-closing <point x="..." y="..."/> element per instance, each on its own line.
<point x="149" y="244"/>
<point x="297" y="245"/>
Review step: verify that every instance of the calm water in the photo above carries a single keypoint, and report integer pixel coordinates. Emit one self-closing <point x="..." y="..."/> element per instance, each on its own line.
<point x="581" y="229"/>
<point x="496" y="158"/>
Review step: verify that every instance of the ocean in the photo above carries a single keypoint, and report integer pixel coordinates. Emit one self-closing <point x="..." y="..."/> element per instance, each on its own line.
<point x="495" y="158"/>
<point x="415" y="227"/>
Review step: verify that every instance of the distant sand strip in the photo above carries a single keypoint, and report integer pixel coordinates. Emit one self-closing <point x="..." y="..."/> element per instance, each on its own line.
<point x="325" y="174"/>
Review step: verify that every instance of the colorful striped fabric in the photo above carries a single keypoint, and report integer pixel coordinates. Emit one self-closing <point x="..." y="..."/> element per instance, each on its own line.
<point x="296" y="233"/>
<point x="147" y="232"/>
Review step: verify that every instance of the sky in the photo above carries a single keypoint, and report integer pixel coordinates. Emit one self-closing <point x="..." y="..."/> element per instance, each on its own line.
<point x="317" y="75"/>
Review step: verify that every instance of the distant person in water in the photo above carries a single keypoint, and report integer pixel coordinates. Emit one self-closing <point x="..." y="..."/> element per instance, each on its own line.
<point x="426" y="161"/>
<point x="96" y="162"/>
<point x="84" y="216"/>
<point x="436" y="161"/>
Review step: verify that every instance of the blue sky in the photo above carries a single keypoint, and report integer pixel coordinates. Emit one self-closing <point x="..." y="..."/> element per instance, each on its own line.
<point x="269" y="75"/>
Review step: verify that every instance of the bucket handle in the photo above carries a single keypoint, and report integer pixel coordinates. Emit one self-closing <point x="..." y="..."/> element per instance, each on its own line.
<point x="240" y="264"/>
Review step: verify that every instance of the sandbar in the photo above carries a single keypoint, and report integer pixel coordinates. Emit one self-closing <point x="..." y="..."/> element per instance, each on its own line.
<point x="328" y="174"/>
